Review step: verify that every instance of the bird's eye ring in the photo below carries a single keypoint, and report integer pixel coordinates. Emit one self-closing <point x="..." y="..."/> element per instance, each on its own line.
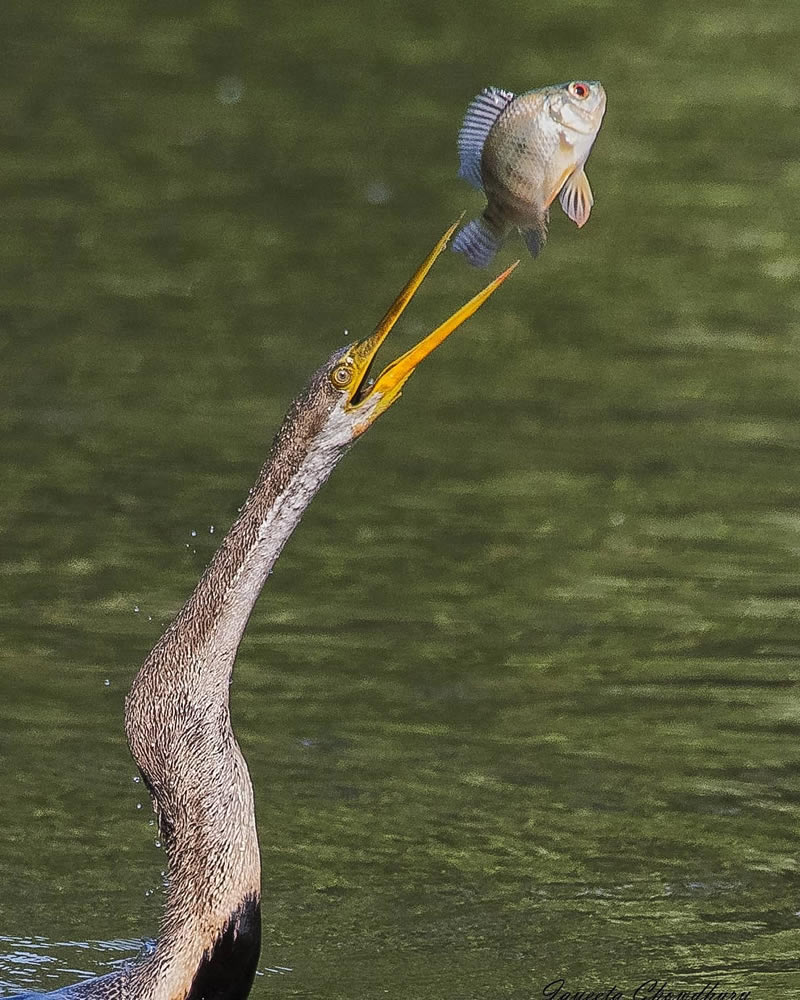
<point x="341" y="376"/>
<point x="579" y="90"/>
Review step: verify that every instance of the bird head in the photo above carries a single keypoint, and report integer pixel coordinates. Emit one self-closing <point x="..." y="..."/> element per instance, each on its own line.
<point x="344" y="389"/>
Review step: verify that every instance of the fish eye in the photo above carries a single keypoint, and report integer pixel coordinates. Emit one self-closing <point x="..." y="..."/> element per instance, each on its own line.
<point x="579" y="90"/>
<point x="341" y="376"/>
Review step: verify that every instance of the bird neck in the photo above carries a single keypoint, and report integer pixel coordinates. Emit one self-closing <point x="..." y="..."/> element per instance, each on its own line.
<point x="214" y="618"/>
<point x="180" y="734"/>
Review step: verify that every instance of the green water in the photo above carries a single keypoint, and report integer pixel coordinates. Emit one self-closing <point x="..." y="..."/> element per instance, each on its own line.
<point x="521" y="699"/>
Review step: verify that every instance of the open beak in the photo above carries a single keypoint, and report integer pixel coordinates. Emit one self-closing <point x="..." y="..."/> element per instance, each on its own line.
<point x="389" y="384"/>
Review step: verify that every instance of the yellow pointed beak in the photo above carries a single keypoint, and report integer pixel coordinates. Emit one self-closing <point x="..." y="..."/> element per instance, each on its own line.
<point x="389" y="384"/>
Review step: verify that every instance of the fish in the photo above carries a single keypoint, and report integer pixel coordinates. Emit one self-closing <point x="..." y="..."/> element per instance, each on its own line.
<point x="522" y="152"/>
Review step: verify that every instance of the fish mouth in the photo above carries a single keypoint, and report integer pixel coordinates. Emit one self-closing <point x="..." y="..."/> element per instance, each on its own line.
<point x="377" y="394"/>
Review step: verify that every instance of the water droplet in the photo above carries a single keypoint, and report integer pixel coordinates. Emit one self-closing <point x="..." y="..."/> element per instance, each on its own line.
<point x="230" y="90"/>
<point x="211" y="529"/>
<point x="378" y="192"/>
<point x="194" y="533"/>
<point x="137" y="779"/>
<point x="136" y="609"/>
<point x="138" y="805"/>
<point x="107" y="682"/>
<point x="157" y="843"/>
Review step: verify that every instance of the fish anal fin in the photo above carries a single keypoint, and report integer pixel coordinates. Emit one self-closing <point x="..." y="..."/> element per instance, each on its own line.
<point x="535" y="236"/>
<point x="482" y="113"/>
<point x="576" y="197"/>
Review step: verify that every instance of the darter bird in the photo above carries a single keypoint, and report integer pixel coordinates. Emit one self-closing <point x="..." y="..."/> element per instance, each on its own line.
<point x="177" y="715"/>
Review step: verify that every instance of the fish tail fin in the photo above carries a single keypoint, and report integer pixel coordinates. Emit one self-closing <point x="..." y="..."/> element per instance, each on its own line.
<point x="535" y="237"/>
<point x="479" y="241"/>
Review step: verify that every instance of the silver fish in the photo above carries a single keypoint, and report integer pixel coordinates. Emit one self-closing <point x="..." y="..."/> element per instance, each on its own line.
<point x="522" y="152"/>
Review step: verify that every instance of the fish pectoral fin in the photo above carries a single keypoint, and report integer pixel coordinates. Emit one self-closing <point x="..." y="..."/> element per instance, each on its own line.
<point x="481" y="115"/>
<point x="576" y="197"/>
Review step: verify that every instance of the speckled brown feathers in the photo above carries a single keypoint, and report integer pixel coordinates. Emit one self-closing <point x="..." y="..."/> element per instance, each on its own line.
<point x="177" y="719"/>
<point x="177" y="712"/>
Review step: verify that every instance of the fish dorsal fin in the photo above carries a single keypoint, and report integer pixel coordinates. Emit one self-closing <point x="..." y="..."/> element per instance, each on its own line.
<point x="481" y="115"/>
<point x="576" y="197"/>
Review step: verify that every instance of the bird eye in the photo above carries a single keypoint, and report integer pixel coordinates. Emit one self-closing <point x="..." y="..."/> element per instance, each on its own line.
<point x="579" y="90"/>
<point x="341" y="376"/>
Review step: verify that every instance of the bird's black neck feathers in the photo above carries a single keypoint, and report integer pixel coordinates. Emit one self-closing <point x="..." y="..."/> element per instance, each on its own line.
<point x="228" y="969"/>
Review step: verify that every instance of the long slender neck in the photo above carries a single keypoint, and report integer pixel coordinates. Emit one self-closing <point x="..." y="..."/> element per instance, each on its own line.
<point x="180" y="734"/>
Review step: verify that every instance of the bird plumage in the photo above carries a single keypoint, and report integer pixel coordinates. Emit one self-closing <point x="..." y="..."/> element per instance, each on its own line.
<point x="177" y="715"/>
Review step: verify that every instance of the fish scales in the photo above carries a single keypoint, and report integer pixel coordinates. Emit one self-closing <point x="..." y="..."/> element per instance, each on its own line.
<point x="520" y="156"/>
